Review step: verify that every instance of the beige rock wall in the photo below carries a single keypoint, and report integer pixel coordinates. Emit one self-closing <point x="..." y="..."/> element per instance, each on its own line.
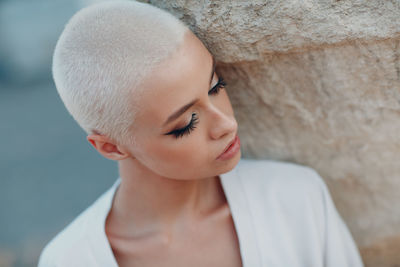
<point x="317" y="83"/>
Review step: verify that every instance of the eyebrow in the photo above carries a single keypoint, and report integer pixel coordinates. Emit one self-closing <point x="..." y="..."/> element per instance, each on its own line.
<point x="182" y="110"/>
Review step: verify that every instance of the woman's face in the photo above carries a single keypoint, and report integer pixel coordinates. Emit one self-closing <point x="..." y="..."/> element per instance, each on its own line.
<point x="163" y="147"/>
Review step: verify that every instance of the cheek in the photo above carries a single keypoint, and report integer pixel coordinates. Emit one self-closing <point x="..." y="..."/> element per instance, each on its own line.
<point x="178" y="158"/>
<point x="185" y="149"/>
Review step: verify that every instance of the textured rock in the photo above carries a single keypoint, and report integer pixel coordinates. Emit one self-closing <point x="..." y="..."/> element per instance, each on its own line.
<point x="383" y="253"/>
<point x="318" y="83"/>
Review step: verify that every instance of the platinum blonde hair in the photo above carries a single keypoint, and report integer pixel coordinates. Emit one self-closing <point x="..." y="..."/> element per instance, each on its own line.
<point x="103" y="56"/>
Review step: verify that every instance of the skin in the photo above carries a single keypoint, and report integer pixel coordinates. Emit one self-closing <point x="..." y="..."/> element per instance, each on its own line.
<point x="170" y="208"/>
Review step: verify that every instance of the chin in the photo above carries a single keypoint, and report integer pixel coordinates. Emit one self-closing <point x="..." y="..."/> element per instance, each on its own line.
<point x="231" y="163"/>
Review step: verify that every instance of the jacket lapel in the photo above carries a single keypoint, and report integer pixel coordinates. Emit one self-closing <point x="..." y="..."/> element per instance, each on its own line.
<point x="242" y="217"/>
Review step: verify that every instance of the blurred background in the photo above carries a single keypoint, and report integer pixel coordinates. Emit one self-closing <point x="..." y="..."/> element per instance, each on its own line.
<point x="322" y="85"/>
<point x="48" y="171"/>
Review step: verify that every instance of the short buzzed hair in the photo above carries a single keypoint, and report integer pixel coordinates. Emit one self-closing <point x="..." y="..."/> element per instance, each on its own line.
<point x="103" y="56"/>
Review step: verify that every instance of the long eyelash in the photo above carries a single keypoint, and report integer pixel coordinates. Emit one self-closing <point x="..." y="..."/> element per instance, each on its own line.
<point x="192" y="124"/>
<point x="220" y="84"/>
<point x="187" y="129"/>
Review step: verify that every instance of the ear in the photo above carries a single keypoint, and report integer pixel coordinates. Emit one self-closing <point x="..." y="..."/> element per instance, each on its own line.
<point x="106" y="147"/>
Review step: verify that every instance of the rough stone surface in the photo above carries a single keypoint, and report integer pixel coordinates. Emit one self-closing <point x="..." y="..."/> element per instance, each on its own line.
<point x="318" y="83"/>
<point x="383" y="253"/>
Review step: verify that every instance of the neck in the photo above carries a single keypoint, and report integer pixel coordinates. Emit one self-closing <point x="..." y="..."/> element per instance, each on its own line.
<point x="148" y="202"/>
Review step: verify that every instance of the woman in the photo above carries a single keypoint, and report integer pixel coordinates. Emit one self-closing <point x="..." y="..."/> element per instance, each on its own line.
<point x="144" y="88"/>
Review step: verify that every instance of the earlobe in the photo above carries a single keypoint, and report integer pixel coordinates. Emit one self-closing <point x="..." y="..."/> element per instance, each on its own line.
<point x="106" y="147"/>
<point x="91" y="141"/>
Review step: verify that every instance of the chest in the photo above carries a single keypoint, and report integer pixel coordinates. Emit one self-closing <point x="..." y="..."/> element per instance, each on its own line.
<point x="213" y="243"/>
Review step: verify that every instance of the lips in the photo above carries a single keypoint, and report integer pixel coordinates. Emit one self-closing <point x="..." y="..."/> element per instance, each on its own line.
<point x="230" y="143"/>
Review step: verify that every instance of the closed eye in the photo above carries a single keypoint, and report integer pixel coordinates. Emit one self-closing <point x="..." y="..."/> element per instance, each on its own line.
<point x="192" y="124"/>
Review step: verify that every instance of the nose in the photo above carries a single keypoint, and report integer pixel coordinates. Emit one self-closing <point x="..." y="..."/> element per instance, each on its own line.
<point x="222" y="124"/>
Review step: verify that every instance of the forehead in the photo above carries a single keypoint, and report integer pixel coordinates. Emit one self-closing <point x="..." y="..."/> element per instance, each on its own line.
<point x="175" y="82"/>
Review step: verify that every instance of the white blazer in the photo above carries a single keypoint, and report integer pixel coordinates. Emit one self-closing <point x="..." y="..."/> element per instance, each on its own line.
<point x="283" y="215"/>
